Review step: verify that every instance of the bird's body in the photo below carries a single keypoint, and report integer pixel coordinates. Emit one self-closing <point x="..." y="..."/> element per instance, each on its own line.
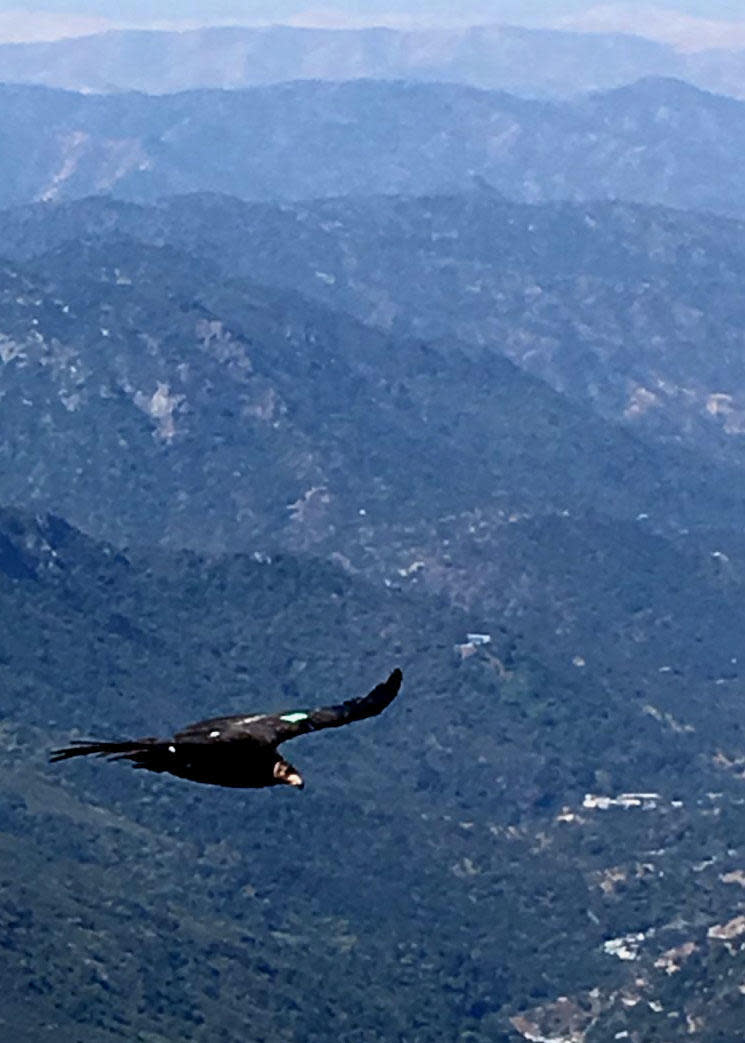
<point x="238" y="751"/>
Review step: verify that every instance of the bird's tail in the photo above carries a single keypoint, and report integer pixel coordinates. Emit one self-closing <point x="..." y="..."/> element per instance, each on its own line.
<point x="137" y="750"/>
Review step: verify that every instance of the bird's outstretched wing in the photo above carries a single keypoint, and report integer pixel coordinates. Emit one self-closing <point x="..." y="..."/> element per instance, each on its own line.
<point x="272" y="729"/>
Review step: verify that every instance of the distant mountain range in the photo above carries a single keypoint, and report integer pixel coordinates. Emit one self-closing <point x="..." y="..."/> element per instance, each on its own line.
<point x="148" y="398"/>
<point x="658" y="141"/>
<point x="531" y="62"/>
<point x="633" y="311"/>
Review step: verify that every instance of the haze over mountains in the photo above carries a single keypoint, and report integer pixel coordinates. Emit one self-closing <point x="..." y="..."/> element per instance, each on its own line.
<point x="300" y="382"/>
<point x="529" y="62"/>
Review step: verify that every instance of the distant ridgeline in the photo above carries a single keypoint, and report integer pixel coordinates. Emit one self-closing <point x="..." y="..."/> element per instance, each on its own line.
<point x="538" y="62"/>
<point x="307" y="139"/>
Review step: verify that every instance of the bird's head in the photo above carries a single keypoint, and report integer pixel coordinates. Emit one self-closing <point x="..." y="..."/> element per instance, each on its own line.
<point x="285" y="774"/>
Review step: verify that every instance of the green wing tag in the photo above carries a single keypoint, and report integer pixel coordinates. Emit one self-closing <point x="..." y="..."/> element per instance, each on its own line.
<point x="293" y="718"/>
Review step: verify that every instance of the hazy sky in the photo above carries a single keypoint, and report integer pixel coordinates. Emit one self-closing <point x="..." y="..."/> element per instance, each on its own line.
<point x="249" y="10"/>
<point x="665" y="19"/>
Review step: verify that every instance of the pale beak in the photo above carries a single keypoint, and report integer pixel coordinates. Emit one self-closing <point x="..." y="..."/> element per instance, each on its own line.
<point x="295" y="780"/>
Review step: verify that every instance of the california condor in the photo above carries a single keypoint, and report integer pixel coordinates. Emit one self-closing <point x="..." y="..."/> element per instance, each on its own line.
<point x="238" y="751"/>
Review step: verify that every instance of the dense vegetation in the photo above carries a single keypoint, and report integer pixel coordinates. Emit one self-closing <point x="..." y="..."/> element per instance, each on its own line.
<point x="153" y="909"/>
<point x="633" y="311"/>
<point x="149" y="399"/>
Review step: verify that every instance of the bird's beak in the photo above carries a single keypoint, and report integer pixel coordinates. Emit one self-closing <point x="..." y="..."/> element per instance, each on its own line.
<point x="295" y="780"/>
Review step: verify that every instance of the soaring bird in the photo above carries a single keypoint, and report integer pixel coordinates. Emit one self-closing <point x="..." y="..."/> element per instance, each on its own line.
<point x="237" y="751"/>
